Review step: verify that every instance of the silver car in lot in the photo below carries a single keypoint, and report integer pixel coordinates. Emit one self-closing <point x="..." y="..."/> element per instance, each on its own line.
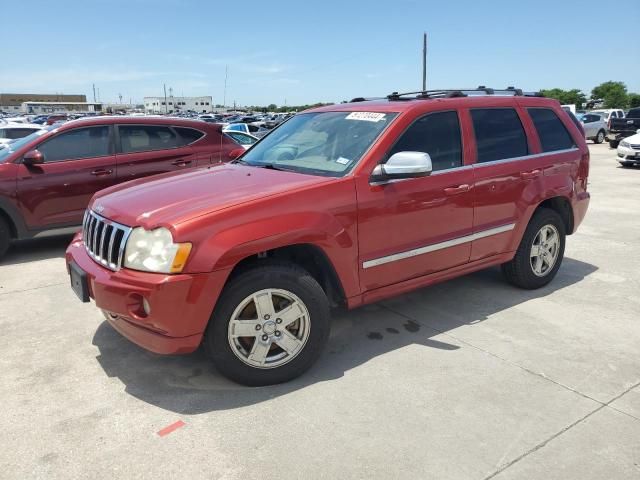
<point x="595" y="126"/>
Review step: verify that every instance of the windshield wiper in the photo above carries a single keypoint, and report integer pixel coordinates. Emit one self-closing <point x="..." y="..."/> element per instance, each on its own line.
<point x="271" y="166"/>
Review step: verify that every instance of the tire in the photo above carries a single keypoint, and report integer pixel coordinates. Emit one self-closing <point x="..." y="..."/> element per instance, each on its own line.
<point x="599" y="138"/>
<point x="521" y="271"/>
<point x="285" y="285"/>
<point x="614" y="143"/>
<point x="627" y="164"/>
<point x="5" y="237"/>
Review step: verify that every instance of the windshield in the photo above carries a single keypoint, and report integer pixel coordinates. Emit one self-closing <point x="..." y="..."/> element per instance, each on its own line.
<point x="19" y="143"/>
<point x="328" y="144"/>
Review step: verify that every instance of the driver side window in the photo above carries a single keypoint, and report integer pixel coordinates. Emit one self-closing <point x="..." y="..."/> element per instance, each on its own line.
<point x="437" y="134"/>
<point x="76" y="144"/>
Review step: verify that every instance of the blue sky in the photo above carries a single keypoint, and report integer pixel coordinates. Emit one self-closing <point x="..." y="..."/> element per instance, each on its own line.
<point x="305" y="52"/>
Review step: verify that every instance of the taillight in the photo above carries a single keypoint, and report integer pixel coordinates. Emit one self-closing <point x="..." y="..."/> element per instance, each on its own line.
<point x="583" y="170"/>
<point x="609" y="124"/>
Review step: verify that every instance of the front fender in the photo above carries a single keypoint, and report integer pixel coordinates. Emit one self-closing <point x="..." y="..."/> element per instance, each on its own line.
<point x="226" y="238"/>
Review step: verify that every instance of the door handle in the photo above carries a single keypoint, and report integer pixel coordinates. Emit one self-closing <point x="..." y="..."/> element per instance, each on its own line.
<point x="457" y="190"/>
<point x="101" y="171"/>
<point x="530" y="175"/>
<point x="181" y="163"/>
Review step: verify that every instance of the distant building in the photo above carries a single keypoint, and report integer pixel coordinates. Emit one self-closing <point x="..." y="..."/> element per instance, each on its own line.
<point x="178" y="104"/>
<point x="12" y="102"/>
<point x="59" y="107"/>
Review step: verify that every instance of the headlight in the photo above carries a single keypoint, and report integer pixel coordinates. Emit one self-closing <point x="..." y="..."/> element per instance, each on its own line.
<point x="154" y="251"/>
<point x="625" y="144"/>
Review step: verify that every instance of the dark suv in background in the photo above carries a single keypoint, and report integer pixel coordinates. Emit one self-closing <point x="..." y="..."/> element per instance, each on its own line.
<point x="48" y="177"/>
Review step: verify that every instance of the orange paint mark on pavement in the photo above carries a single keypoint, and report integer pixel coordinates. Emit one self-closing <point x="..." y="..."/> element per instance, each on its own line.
<point x="168" y="429"/>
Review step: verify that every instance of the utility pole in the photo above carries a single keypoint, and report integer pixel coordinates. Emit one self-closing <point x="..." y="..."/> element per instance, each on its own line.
<point x="424" y="61"/>
<point x="165" y="97"/>
<point x="224" y="98"/>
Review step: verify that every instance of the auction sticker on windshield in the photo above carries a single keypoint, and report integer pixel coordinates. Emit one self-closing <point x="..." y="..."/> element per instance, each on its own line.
<point x="366" y="116"/>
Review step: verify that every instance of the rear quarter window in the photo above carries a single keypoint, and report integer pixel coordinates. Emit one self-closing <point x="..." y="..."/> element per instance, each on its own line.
<point x="551" y="131"/>
<point x="189" y="135"/>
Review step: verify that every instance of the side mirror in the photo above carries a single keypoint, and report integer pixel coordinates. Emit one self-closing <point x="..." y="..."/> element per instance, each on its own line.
<point x="236" y="152"/>
<point x="402" y="165"/>
<point x="33" y="157"/>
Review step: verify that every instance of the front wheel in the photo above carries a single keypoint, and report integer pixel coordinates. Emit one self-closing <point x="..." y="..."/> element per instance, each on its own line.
<point x="614" y="143"/>
<point x="269" y="326"/>
<point x="540" y="252"/>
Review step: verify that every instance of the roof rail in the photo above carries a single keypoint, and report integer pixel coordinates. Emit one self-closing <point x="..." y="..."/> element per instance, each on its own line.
<point x="365" y="99"/>
<point x="460" y="92"/>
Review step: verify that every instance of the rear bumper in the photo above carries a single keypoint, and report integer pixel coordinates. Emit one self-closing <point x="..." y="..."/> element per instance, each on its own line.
<point x="180" y="305"/>
<point x="617" y="136"/>
<point x="580" y="205"/>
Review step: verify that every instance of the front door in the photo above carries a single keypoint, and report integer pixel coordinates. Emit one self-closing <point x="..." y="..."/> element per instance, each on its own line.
<point x="414" y="227"/>
<point x="77" y="163"/>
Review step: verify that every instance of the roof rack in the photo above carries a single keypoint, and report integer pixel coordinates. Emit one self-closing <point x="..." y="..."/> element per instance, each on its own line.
<point x="365" y="99"/>
<point x="460" y="92"/>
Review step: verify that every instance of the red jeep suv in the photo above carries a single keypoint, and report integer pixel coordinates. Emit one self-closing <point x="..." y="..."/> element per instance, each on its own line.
<point x="341" y="205"/>
<point x="48" y="177"/>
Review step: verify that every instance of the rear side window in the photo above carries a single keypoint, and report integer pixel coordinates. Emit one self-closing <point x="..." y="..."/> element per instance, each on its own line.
<point x="189" y="135"/>
<point x="552" y="132"/>
<point x="76" y="144"/>
<point x="499" y="134"/>
<point x="144" y="138"/>
<point x="437" y="134"/>
<point x="589" y="118"/>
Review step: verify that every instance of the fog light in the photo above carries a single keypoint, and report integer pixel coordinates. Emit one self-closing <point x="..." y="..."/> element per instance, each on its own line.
<point x="146" y="307"/>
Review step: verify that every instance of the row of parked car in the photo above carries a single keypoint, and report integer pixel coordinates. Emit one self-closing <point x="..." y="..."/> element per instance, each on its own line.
<point x="611" y="125"/>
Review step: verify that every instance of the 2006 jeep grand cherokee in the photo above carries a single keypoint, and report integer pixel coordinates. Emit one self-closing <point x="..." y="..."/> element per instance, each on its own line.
<point x="346" y="204"/>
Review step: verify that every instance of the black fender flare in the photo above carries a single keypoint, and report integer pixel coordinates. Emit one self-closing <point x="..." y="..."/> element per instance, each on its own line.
<point x="8" y="209"/>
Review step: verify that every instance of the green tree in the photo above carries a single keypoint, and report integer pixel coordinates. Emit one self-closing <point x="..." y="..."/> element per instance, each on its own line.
<point x="613" y="93"/>
<point x="566" y="97"/>
<point x="634" y="100"/>
<point x="272" y="107"/>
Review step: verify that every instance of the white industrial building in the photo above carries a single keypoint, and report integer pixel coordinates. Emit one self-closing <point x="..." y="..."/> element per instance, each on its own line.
<point x="173" y="104"/>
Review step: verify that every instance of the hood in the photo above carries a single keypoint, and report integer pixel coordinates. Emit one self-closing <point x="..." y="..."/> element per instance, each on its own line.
<point x="173" y="198"/>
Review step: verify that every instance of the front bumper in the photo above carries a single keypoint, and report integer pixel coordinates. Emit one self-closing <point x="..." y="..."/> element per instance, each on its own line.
<point x="180" y="305"/>
<point x="626" y="154"/>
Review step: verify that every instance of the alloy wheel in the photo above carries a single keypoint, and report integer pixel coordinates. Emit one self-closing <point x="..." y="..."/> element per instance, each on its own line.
<point x="545" y="250"/>
<point x="269" y="328"/>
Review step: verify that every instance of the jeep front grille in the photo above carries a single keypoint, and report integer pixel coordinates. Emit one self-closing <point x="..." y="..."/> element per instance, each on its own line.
<point x="104" y="240"/>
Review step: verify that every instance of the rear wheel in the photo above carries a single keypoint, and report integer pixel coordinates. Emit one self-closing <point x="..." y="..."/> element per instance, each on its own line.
<point x="5" y="237"/>
<point x="269" y="326"/>
<point x="614" y="143"/>
<point x="540" y="253"/>
<point x="599" y="138"/>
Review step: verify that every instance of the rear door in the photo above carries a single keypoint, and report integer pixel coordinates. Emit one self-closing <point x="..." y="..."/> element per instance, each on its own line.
<point x="77" y="163"/>
<point x="144" y="150"/>
<point x="502" y="171"/>
<point x="592" y="124"/>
